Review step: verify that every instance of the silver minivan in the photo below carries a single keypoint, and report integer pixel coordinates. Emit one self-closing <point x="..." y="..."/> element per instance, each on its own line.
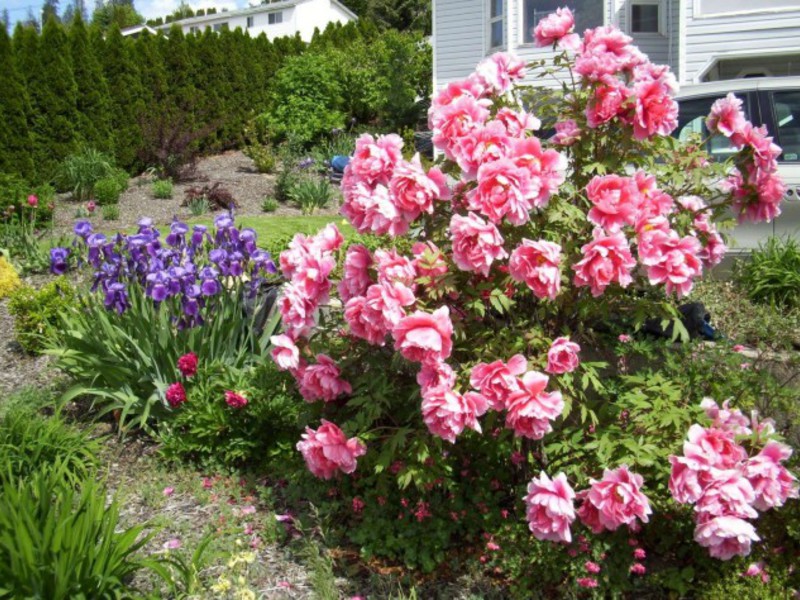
<point x="770" y="101"/>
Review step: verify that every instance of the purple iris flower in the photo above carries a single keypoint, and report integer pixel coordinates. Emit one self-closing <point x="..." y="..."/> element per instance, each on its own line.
<point x="116" y="298"/>
<point x="263" y="262"/>
<point x="199" y="235"/>
<point x="177" y="234"/>
<point x="218" y="255"/>
<point x="58" y="260"/>
<point x="83" y="229"/>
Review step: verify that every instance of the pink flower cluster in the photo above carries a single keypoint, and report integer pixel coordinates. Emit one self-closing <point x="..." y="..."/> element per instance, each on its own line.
<point x="608" y="504"/>
<point x="727" y="486"/>
<point x="327" y="450"/>
<point x="756" y="185"/>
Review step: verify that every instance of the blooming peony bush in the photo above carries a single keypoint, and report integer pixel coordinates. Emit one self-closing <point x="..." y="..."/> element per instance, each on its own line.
<point x="468" y="349"/>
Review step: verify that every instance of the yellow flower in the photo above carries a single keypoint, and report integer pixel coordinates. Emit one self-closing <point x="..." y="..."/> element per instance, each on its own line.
<point x="245" y="594"/>
<point x="9" y="280"/>
<point x="223" y="585"/>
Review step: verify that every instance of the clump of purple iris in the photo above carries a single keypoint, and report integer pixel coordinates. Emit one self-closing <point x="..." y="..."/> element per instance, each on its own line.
<point x="184" y="270"/>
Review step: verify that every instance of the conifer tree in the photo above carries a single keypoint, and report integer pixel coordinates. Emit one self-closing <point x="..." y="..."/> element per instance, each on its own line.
<point x="26" y="52"/>
<point x="93" y="101"/>
<point x="15" y="140"/>
<point x="54" y="100"/>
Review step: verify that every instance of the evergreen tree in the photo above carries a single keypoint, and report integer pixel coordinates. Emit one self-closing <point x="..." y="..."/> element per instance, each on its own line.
<point x="54" y="100"/>
<point x="26" y="52"/>
<point x="6" y="19"/>
<point x="115" y="12"/>
<point x="94" y="118"/>
<point x="15" y="141"/>
<point x="50" y="11"/>
<point x="127" y="105"/>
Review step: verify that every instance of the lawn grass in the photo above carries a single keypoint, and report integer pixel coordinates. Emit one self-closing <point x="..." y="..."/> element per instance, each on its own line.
<point x="279" y="227"/>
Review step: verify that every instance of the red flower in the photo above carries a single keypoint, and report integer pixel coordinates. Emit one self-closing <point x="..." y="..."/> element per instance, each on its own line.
<point x="176" y="395"/>
<point x="187" y="364"/>
<point x="235" y="400"/>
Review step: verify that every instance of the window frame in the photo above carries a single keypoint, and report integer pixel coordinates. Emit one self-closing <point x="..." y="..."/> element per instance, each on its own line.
<point x="697" y="11"/>
<point x="223" y="26"/>
<point x="772" y="123"/>
<point x="251" y="20"/>
<point x="490" y="20"/>
<point x="662" y="21"/>
<point x="520" y="26"/>
<point x="275" y="18"/>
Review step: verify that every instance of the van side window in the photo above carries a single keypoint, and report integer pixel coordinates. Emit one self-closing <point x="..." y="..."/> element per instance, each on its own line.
<point x="787" y="124"/>
<point x="692" y="119"/>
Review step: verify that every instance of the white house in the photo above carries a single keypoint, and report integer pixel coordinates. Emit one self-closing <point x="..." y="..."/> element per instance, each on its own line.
<point x="701" y="40"/>
<point x="276" y="19"/>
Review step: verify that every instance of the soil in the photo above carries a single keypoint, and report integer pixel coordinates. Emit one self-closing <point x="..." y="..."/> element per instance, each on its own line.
<point x="235" y="171"/>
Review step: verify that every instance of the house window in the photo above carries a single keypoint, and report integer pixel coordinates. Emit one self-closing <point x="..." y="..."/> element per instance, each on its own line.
<point x="496" y="24"/>
<point x="250" y="22"/>
<point x="646" y="16"/>
<point x="193" y="29"/>
<point x="221" y="26"/>
<point x="588" y="14"/>
<point x="275" y="18"/>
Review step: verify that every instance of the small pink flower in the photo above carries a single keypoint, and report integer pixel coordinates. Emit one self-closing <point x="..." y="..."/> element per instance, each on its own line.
<point x="172" y="544"/>
<point x="476" y="243"/>
<point x="613" y="501"/>
<point x="606" y="259"/>
<point x="187" y="364"/>
<point x="567" y="133"/>
<point x="176" y="395"/>
<point x="358" y="505"/>
<point x="638" y="569"/>
<point x="562" y="356"/>
<point x="492" y="546"/>
<point x="591" y="567"/>
<point x="726" y="537"/>
<point x="284" y="352"/>
<point x="323" y="381"/>
<point x="745" y="366"/>
<point x="207" y="483"/>
<point x="557" y="29"/>
<point x="587" y="582"/>
<point x="624" y="338"/>
<point x="497" y="380"/>
<point x="33" y="201"/>
<point x="90" y="206"/>
<point x="425" y="337"/>
<point x="248" y="510"/>
<point x="327" y="450"/>
<point x="446" y="412"/>
<point x="537" y="264"/>
<point x="739" y="348"/>
<point x="639" y="554"/>
<point x="168" y="491"/>
<point x="235" y="400"/>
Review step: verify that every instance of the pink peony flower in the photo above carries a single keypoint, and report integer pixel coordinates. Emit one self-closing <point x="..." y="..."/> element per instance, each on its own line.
<point x="284" y="352"/>
<point x="187" y="364"/>
<point x="557" y="29"/>
<point x="176" y="395"/>
<point x="298" y="312"/>
<point x="550" y="510"/>
<point x="606" y="259"/>
<point x="446" y="412"/>
<point x="424" y="337"/>
<point x="638" y="569"/>
<point x="726" y="418"/>
<point x="373" y="316"/>
<point x="726" y="537"/>
<point x="531" y="409"/>
<point x="471" y="88"/>
<point x="436" y="374"/>
<point x="671" y="260"/>
<point x="476" y="243"/>
<point x="610" y="100"/>
<point x="546" y="168"/>
<point x="322" y="381"/>
<point x="374" y="160"/>
<point x="759" y="570"/>
<point x="639" y="554"/>
<point x="729" y="494"/>
<point x="615" y="500"/>
<point x="772" y="483"/>
<point x="414" y="191"/>
<point x="591" y="567"/>
<point x="454" y="121"/>
<point x="587" y="582"/>
<point x="537" y="264"/>
<point x="517" y="122"/>
<point x="392" y="267"/>
<point x="235" y="400"/>
<point x="655" y="111"/>
<point x="726" y="116"/>
<point x="606" y="51"/>
<point x="504" y="190"/>
<point x="497" y="380"/>
<point x="483" y="145"/>
<point x="355" y="278"/>
<point x="714" y="447"/>
<point x="624" y="338"/>
<point x="372" y="210"/>
<point x="615" y="201"/>
<point x="327" y="450"/>
<point x="499" y="71"/>
<point x="562" y="356"/>
<point x="688" y="478"/>
<point x="567" y="133"/>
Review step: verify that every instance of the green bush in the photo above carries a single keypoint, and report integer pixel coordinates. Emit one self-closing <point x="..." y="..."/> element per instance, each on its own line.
<point x="269" y="205"/>
<point x="263" y="156"/>
<point x="110" y="212"/>
<point x="122" y="177"/>
<point x="198" y="206"/>
<point x="59" y="542"/>
<point x="14" y="192"/>
<point x="162" y="189"/>
<point x="107" y="191"/>
<point x="772" y="275"/>
<point x="311" y="193"/>
<point x="37" y="312"/>
<point x="285" y="181"/>
<point x="80" y="172"/>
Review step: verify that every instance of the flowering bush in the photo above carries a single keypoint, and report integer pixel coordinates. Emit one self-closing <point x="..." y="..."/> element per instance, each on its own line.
<point x="523" y="248"/>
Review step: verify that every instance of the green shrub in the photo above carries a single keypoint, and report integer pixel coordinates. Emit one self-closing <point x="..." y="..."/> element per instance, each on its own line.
<point x="59" y="542"/>
<point x="772" y="275"/>
<point x="198" y="206"/>
<point x="14" y="192"/>
<point x="263" y="156"/>
<point x="269" y="205"/>
<point x="162" y="189"/>
<point x="37" y="312"/>
<point x="111" y="212"/>
<point x="107" y="191"/>
<point x="122" y="177"/>
<point x="311" y="193"/>
<point x="287" y="178"/>
<point x="80" y="172"/>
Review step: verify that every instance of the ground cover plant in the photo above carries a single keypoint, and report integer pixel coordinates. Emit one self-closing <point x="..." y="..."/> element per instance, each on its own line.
<point x="772" y="275"/>
<point x="455" y="384"/>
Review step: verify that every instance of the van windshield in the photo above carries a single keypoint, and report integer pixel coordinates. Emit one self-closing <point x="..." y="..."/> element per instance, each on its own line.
<point x="787" y="124"/>
<point x="692" y="119"/>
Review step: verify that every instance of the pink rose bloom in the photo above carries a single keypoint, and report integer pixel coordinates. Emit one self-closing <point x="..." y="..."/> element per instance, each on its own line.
<point x="476" y="243"/>
<point x="537" y="264"/>
<point x="327" y="450"/>
<point x="716" y="447"/>
<point x="726" y="116"/>
<point x="498" y="380"/>
<point x="414" y="190"/>
<point x="772" y="483"/>
<point x="500" y="70"/>
<point x="355" y="279"/>
<point x="615" y="201"/>
<point x="546" y="168"/>
<point x="454" y="121"/>
<point x="567" y="133"/>
<point x="557" y="28"/>
<point x="393" y="267"/>
<point x="550" y="510"/>
<point x="517" y="122"/>
<point x="608" y="102"/>
<point x="672" y="260"/>
<point x="730" y="494"/>
<point x="297" y="312"/>
<point x="531" y="409"/>
<point x="615" y="500"/>
<point x="655" y="111"/>
<point x="504" y="190"/>
<point x="446" y="412"/>
<point x="428" y="261"/>
<point x="726" y="418"/>
<point x="284" y="352"/>
<point x="424" y="337"/>
<point x="483" y="145"/>
<point x="726" y="537"/>
<point x="374" y="160"/>
<point x="606" y="259"/>
<point x="562" y="357"/>
<point x="235" y="400"/>
<point x="436" y="374"/>
<point x="606" y="51"/>
<point x="322" y="381"/>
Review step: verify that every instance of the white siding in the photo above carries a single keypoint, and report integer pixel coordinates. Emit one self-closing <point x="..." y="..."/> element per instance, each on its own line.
<point x="459" y="38"/>
<point x="752" y="34"/>
<point x="661" y="48"/>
